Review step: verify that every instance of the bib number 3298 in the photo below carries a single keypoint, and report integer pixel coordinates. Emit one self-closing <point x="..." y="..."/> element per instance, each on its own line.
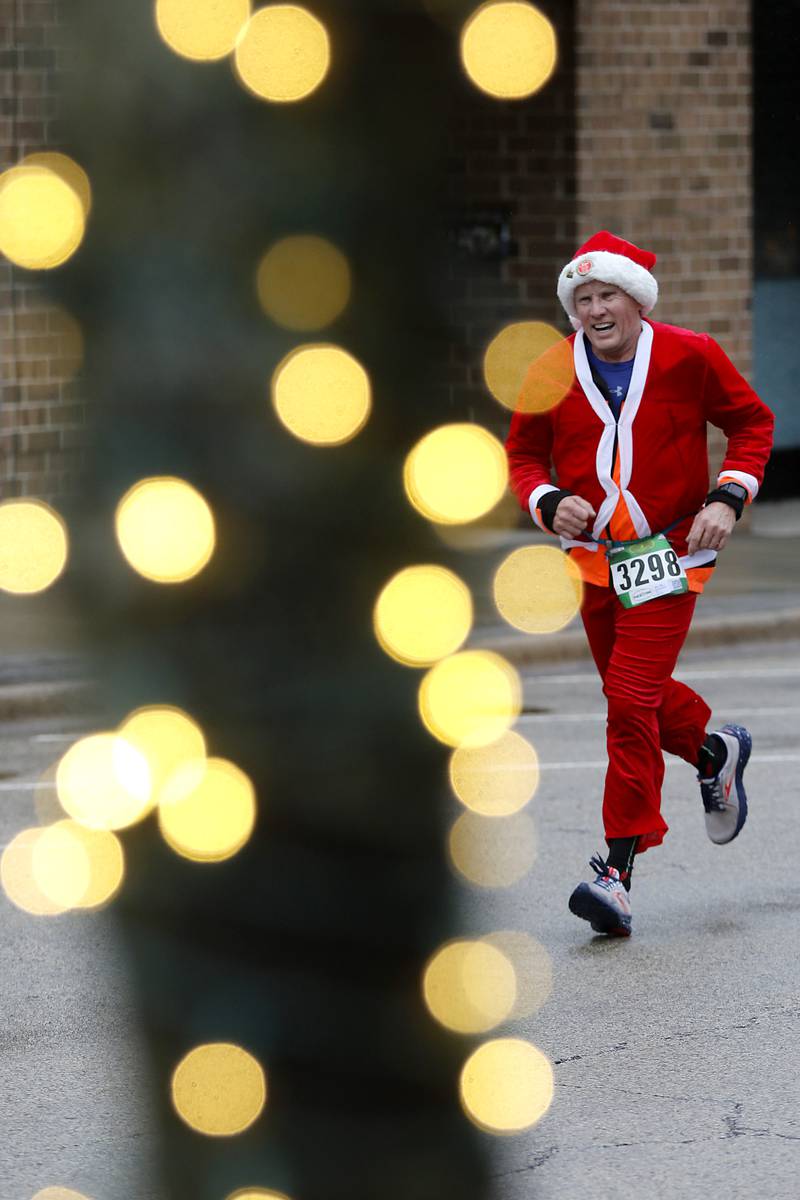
<point x="643" y="570"/>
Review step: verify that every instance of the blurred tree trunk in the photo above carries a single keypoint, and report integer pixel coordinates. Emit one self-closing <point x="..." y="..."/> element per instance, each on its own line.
<point x="307" y="946"/>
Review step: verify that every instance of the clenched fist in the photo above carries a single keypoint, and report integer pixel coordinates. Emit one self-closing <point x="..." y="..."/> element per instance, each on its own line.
<point x="572" y="516"/>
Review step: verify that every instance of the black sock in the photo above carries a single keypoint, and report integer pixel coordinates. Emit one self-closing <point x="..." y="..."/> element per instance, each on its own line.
<point x="621" y="852"/>
<point x="713" y="753"/>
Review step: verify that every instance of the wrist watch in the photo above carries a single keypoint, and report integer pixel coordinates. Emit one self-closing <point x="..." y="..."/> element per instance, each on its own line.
<point x="734" y="489"/>
<point x="732" y="494"/>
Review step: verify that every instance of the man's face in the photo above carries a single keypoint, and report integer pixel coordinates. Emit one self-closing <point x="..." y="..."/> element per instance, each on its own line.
<point x="611" y="319"/>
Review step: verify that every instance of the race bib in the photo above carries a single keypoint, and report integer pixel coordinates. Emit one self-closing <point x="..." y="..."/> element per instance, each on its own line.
<point x="643" y="570"/>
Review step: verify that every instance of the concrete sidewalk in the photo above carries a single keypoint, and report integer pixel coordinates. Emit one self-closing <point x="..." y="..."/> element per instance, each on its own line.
<point x="45" y="663"/>
<point x="754" y="593"/>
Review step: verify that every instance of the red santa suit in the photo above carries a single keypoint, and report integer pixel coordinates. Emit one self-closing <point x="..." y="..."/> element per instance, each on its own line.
<point x="641" y="475"/>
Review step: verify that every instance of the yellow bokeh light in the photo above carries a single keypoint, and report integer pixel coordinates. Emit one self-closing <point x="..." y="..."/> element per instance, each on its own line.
<point x="283" y="53"/>
<point x="103" y="782"/>
<point x="538" y="589"/>
<point x="509" y="49"/>
<point x="508" y="359"/>
<point x="303" y="282"/>
<point x="33" y="546"/>
<point x="41" y="218"/>
<point x="547" y="379"/>
<point x="167" y="738"/>
<point x="533" y="970"/>
<point x="219" y="1089"/>
<point x="456" y="473"/>
<point x="491" y="853"/>
<point x="17" y="877"/>
<point x="61" y="866"/>
<point x="106" y="864"/>
<point x="469" y="986"/>
<point x="59" y="1193"/>
<point x="470" y="699"/>
<point x="495" y="780"/>
<point x="203" y="30"/>
<point x="506" y="1085"/>
<point x="322" y="394"/>
<point x="422" y="614"/>
<point x="165" y="529"/>
<point x="250" y="1193"/>
<point x="68" y="170"/>
<point x="208" y="810"/>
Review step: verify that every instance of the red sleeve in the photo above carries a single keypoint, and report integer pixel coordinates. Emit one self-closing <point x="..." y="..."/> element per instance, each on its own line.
<point x="733" y="406"/>
<point x="530" y="439"/>
<point x="528" y="448"/>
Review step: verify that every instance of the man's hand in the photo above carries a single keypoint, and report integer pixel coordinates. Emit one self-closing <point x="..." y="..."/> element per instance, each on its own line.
<point x="572" y="516"/>
<point x="711" y="527"/>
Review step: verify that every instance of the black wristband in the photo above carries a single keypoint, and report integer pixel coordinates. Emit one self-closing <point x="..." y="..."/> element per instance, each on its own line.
<point x="549" y="503"/>
<point x="723" y="496"/>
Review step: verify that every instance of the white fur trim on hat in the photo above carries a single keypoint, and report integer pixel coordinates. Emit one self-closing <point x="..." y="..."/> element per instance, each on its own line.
<point x="606" y="267"/>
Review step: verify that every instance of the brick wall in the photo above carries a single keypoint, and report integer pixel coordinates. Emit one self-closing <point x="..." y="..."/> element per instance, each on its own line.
<point x="664" y="150"/>
<point x="645" y="128"/>
<point x="41" y="415"/>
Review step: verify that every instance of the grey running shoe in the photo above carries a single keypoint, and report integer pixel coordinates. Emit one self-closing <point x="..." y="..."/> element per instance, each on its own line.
<point x="724" y="797"/>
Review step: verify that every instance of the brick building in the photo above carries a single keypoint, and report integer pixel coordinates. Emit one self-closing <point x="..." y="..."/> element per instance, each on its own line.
<point x="645" y="128"/>
<point x="41" y="414"/>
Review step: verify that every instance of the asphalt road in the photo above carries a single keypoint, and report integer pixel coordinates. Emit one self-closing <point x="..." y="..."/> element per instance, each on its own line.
<point x="675" y="1051"/>
<point x="73" y="1070"/>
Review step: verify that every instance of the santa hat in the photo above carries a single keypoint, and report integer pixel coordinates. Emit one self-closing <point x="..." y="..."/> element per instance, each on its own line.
<point x="609" y="259"/>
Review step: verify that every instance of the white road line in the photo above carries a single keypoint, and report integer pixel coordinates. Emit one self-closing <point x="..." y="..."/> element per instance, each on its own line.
<point x="597" y="715"/>
<point x="543" y="718"/>
<point x="594" y="764"/>
<point x="754" y="672"/>
<point x="57" y="737"/>
<point x="26" y="785"/>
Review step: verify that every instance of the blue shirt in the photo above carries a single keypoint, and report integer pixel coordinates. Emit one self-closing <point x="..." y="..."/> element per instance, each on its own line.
<point x="616" y="375"/>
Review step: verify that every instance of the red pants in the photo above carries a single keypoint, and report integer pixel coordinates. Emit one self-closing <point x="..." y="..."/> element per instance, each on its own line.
<point x="636" y="650"/>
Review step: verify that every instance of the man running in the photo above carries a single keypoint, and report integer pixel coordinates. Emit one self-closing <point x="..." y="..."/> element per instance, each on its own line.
<point x="627" y="447"/>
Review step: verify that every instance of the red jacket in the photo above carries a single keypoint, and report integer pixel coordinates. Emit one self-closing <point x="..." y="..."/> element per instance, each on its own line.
<point x="652" y="467"/>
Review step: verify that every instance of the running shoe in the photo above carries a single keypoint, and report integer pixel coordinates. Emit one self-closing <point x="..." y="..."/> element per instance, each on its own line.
<point x="604" y="903"/>
<point x="724" y="797"/>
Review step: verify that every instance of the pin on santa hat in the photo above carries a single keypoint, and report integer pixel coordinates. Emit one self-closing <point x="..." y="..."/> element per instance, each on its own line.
<point x="609" y="259"/>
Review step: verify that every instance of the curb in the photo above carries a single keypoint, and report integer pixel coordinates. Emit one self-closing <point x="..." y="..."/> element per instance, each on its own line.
<point x="524" y="651"/>
<point x="79" y="697"/>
